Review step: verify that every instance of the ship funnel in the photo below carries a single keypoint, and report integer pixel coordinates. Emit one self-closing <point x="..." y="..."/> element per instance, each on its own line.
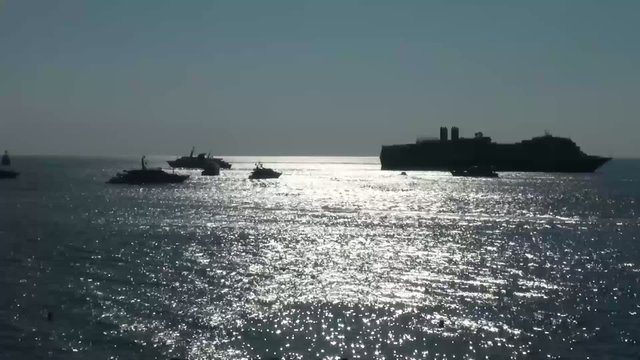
<point x="444" y="134"/>
<point x="455" y="133"/>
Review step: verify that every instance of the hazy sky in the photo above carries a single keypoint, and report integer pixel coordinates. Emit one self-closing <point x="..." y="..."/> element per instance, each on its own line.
<point x="314" y="77"/>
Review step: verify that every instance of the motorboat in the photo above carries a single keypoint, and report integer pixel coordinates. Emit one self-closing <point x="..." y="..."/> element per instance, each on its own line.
<point x="200" y="161"/>
<point x="261" y="172"/>
<point x="8" y="174"/>
<point x="146" y="176"/>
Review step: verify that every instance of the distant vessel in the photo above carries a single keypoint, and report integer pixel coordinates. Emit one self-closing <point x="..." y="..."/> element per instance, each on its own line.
<point x="261" y="172"/>
<point x="146" y="176"/>
<point x="7" y="173"/>
<point x="476" y="171"/>
<point x="211" y="170"/>
<point x="541" y="154"/>
<point x="5" y="159"/>
<point x="198" y="162"/>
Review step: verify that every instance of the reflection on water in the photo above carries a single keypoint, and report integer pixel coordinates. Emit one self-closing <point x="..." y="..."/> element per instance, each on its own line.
<point x="331" y="260"/>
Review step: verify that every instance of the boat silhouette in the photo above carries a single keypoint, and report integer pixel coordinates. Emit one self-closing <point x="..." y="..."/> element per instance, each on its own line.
<point x="146" y="176"/>
<point x="5" y="172"/>
<point x="201" y="161"/>
<point x="261" y="172"/>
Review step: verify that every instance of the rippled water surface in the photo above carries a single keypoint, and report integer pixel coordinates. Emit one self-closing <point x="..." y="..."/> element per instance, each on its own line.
<point x="334" y="259"/>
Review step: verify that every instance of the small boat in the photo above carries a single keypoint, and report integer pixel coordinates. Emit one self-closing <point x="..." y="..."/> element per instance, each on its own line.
<point x="146" y="176"/>
<point x="211" y="170"/>
<point x="476" y="171"/>
<point x="5" y="159"/>
<point x="201" y="161"/>
<point x="261" y="172"/>
<point x="8" y="174"/>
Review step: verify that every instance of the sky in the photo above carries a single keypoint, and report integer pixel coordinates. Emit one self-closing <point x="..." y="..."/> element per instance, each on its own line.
<point x="322" y="77"/>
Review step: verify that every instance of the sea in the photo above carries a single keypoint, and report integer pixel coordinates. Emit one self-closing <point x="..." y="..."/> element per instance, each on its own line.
<point x="335" y="259"/>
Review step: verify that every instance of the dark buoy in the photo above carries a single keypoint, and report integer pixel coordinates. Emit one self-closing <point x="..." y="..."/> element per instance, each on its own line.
<point x="403" y="173"/>
<point x="441" y="324"/>
<point x="49" y="316"/>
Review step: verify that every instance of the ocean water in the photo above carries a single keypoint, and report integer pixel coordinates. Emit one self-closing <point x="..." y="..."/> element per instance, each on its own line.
<point x="334" y="259"/>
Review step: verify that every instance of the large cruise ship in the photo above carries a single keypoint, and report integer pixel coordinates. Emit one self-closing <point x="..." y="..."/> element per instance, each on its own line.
<point x="545" y="153"/>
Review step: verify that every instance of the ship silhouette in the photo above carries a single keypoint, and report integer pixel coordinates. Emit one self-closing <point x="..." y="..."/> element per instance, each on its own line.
<point x="201" y="161"/>
<point x="545" y="153"/>
<point x="145" y="175"/>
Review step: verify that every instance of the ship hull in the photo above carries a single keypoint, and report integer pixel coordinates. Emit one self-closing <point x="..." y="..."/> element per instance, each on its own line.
<point x="147" y="177"/>
<point x="275" y="175"/>
<point x="400" y="161"/>
<point x="195" y="163"/>
<point x="8" y="174"/>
